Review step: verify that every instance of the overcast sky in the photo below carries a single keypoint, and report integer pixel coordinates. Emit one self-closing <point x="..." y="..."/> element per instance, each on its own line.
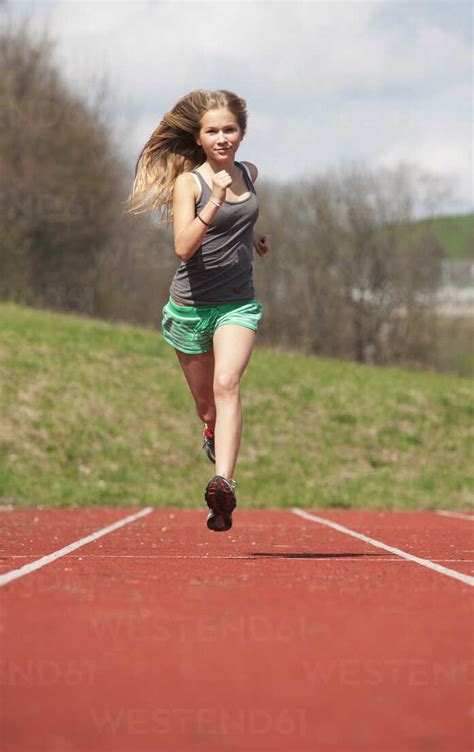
<point x="325" y="82"/>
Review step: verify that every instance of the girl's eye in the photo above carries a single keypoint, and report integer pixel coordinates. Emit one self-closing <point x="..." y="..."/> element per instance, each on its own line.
<point x="231" y="129"/>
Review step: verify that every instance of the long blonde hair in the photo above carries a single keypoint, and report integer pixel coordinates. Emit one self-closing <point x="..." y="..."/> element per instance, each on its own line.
<point x="172" y="149"/>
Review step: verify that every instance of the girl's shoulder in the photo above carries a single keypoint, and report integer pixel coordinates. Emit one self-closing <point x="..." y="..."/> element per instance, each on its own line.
<point x="188" y="183"/>
<point x="252" y="169"/>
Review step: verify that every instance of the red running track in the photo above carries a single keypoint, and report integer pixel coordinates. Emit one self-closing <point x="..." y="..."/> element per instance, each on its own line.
<point x="283" y="634"/>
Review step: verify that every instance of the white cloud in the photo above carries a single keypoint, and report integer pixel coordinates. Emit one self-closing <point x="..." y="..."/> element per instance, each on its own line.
<point x="442" y="158"/>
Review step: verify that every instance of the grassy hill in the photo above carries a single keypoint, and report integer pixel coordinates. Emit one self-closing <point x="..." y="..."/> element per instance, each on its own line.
<point x="455" y="233"/>
<point x="98" y="413"/>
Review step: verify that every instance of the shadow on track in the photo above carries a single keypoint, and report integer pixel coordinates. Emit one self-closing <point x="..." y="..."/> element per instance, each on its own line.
<point x="282" y="555"/>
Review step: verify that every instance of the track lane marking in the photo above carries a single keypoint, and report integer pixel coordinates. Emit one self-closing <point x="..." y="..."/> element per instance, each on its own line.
<point x="14" y="574"/>
<point x="466" y="579"/>
<point x="460" y="515"/>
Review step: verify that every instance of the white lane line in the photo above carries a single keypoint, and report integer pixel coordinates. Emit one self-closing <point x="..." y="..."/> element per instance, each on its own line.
<point x="456" y="514"/>
<point x="466" y="579"/>
<point x="28" y="568"/>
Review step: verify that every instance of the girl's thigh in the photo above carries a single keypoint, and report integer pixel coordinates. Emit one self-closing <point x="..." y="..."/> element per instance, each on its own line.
<point x="199" y="373"/>
<point x="233" y="345"/>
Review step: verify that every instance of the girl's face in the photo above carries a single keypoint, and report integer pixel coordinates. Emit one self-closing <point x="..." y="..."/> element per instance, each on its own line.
<point x="220" y="134"/>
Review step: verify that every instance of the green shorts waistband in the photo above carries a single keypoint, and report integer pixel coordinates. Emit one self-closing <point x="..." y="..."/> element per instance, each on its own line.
<point x="191" y="309"/>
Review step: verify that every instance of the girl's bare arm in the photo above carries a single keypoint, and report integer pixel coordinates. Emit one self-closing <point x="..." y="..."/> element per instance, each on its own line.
<point x="188" y="230"/>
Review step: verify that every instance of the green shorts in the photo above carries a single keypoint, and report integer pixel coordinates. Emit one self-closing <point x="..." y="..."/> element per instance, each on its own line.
<point x="191" y="328"/>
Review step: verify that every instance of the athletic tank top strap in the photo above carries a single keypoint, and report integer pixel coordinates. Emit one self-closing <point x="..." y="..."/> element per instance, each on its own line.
<point x="247" y="176"/>
<point x="201" y="184"/>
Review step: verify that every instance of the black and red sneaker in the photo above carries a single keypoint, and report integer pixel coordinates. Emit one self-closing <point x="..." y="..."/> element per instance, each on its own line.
<point x="208" y="443"/>
<point x="220" y="498"/>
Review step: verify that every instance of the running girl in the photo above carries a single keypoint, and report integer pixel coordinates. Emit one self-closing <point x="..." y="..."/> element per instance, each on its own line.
<point x="187" y="170"/>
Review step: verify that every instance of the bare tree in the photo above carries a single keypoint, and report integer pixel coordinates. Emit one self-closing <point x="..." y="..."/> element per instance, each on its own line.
<point x="61" y="184"/>
<point x="352" y="269"/>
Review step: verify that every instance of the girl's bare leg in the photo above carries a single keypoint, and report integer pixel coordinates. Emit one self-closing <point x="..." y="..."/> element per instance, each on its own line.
<point x="199" y="373"/>
<point x="233" y="347"/>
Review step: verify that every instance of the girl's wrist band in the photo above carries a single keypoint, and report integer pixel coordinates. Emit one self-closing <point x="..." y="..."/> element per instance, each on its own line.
<point x="215" y="202"/>
<point x="204" y="223"/>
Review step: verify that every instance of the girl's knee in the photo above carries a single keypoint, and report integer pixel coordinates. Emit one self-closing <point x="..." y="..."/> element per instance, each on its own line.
<point x="206" y="411"/>
<point x="226" y="384"/>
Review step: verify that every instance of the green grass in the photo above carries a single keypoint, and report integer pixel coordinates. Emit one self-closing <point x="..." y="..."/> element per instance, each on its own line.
<point x="99" y="414"/>
<point x="455" y="233"/>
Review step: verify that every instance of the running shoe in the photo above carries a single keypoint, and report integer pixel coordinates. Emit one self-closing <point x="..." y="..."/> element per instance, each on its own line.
<point x="208" y="443"/>
<point x="220" y="498"/>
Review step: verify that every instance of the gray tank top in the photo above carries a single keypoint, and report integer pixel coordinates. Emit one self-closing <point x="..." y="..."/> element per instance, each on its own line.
<point x="221" y="270"/>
